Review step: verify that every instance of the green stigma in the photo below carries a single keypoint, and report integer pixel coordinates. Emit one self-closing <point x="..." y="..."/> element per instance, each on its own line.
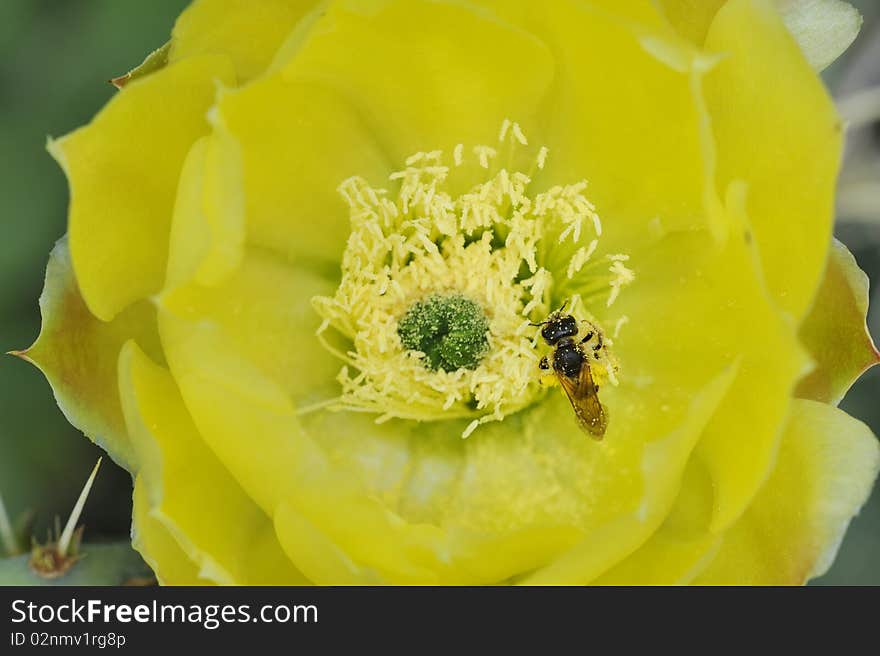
<point x="449" y="330"/>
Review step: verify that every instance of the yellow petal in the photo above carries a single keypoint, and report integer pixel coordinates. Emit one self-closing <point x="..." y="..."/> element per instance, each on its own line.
<point x="776" y="129"/>
<point x="298" y="143"/>
<point x="824" y="29"/>
<point x="826" y="467"/>
<point x="427" y="75"/>
<point x="77" y="352"/>
<point x="160" y="551"/>
<point x="835" y="332"/>
<point x="330" y="509"/>
<point x="691" y="18"/>
<point x="641" y="13"/>
<point x="688" y="313"/>
<point x="244" y="417"/>
<point x="264" y="309"/>
<point x="188" y="492"/>
<point x="207" y="230"/>
<point x="315" y="554"/>
<point x="123" y="169"/>
<point x="611" y="63"/>
<point x="247" y="32"/>
<point x="681" y="547"/>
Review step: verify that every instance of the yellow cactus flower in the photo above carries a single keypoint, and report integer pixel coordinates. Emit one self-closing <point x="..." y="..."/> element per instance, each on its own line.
<point x="313" y="248"/>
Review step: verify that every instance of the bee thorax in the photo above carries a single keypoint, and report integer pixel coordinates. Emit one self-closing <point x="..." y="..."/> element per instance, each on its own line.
<point x="568" y="358"/>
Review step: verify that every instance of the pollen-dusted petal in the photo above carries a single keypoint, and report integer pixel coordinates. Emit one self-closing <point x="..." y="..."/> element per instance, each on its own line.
<point x="123" y="179"/>
<point x="338" y="533"/>
<point x="659" y="469"/>
<point x="298" y="142"/>
<point x="158" y="548"/>
<point x="248" y="32"/>
<point x="835" y="332"/>
<point x="264" y="310"/>
<point x="78" y="352"/>
<point x="513" y="526"/>
<point x="505" y="506"/>
<point x="826" y="467"/>
<point x="776" y="129"/>
<point x="391" y="509"/>
<point x="427" y="74"/>
<point x="188" y="491"/>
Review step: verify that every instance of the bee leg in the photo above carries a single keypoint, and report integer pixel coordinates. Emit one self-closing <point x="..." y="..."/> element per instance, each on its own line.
<point x="587" y="337"/>
<point x="543" y="364"/>
<point x="599" y="343"/>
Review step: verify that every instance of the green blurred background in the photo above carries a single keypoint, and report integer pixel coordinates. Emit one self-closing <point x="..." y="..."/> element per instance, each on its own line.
<point x="55" y="59"/>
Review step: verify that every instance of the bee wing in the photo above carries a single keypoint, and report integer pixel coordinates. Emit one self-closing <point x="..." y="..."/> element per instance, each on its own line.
<point x="583" y="395"/>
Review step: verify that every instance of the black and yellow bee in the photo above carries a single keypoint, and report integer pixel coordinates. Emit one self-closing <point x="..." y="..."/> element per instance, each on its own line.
<point x="571" y="364"/>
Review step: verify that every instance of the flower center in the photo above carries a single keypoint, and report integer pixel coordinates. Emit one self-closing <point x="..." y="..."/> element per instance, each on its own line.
<point x="438" y="292"/>
<point x="449" y="330"/>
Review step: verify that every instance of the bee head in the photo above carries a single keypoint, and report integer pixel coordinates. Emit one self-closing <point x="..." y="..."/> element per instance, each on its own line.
<point x="557" y="327"/>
